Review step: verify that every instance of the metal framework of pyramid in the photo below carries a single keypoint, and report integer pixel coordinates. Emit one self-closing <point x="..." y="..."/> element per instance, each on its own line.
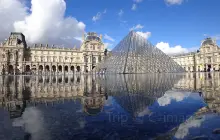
<point x="134" y="54"/>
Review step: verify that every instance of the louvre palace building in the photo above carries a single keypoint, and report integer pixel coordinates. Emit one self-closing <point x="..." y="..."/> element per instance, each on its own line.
<point x="16" y="57"/>
<point x="206" y="59"/>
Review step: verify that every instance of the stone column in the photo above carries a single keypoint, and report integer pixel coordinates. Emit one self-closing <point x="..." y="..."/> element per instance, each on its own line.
<point x="69" y="69"/>
<point x="50" y="68"/>
<point x="57" y="69"/>
<point x="37" y="69"/>
<point x="15" y="67"/>
<point x="63" y="70"/>
<point x="75" y="69"/>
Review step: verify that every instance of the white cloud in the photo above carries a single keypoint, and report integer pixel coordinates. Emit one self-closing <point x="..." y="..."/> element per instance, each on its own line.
<point x="10" y="11"/>
<point x="98" y="15"/>
<point x="146" y="35"/>
<point x="165" y="47"/>
<point x="138" y="1"/>
<point x="174" y="2"/>
<point x="183" y="129"/>
<point x="144" y="112"/>
<point x="45" y="23"/>
<point x="134" y="7"/>
<point x="172" y="95"/>
<point x="138" y="26"/>
<point x="121" y="12"/>
<point x="109" y="38"/>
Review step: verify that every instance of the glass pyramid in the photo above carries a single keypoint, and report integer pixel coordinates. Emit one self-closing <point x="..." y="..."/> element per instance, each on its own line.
<point x="134" y="54"/>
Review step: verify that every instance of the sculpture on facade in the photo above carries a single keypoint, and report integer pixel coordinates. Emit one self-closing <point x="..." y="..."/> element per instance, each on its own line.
<point x="134" y="54"/>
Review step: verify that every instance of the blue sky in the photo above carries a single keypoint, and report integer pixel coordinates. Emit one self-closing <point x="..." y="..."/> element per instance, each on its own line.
<point x="174" y="26"/>
<point x="184" y="24"/>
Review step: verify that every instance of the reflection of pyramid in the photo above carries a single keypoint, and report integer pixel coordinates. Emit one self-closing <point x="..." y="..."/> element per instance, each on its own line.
<point x="134" y="54"/>
<point x="135" y="92"/>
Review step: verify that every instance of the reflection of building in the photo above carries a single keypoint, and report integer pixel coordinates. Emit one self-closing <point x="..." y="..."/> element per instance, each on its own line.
<point x="17" y="57"/>
<point x="206" y="59"/>
<point x="94" y="99"/>
<point x="17" y="92"/>
<point x="207" y="84"/>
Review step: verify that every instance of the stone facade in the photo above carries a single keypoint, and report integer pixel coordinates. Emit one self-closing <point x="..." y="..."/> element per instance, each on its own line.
<point x="207" y="58"/>
<point x="16" y="57"/>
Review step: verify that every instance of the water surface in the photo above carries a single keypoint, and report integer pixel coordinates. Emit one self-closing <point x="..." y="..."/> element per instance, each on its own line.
<point x="109" y="107"/>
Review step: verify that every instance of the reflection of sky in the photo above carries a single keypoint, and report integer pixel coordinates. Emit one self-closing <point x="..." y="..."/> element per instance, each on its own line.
<point x="183" y="129"/>
<point x="68" y="121"/>
<point x="202" y="126"/>
<point x="176" y="96"/>
<point x="33" y="123"/>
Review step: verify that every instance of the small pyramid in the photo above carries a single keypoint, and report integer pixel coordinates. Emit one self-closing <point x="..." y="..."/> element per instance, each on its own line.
<point x="134" y="54"/>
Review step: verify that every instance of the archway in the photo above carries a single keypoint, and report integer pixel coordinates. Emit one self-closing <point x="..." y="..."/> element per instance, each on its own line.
<point x="209" y="68"/>
<point x="54" y="68"/>
<point x="60" y="80"/>
<point x="72" y="69"/>
<point x="66" y="68"/>
<point x="54" y="79"/>
<point x="47" y="68"/>
<point x="66" y="80"/>
<point x="60" y="68"/>
<point x="28" y="68"/>
<point x="78" y="68"/>
<point x="10" y="69"/>
<point x="41" y="68"/>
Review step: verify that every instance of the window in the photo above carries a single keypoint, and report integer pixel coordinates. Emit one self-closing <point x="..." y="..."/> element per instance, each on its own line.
<point x="54" y="59"/>
<point x="3" y="56"/>
<point x="48" y="59"/>
<point x="93" y="47"/>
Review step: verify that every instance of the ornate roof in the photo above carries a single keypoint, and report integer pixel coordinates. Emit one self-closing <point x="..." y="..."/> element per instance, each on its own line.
<point x="208" y="41"/>
<point x="92" y="36"/>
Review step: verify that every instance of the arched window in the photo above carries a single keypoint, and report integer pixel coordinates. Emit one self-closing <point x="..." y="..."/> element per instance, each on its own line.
<point x="11" y="57"/>
<point x="60" y="59"/>
<point x="100" y="58"/>
<point x="93" y="60"/>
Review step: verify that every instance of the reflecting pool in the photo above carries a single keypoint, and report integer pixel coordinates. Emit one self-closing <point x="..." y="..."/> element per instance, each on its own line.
<point x="110" y="107"/>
